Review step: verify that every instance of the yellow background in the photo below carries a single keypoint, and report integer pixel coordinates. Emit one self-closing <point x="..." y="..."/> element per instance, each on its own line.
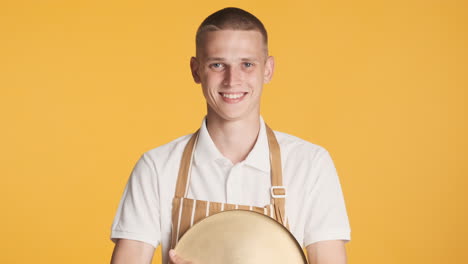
<point x="88" y="86"/>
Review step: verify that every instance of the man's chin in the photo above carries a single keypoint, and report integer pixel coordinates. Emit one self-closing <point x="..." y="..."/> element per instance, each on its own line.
<point x="233" y="117"/>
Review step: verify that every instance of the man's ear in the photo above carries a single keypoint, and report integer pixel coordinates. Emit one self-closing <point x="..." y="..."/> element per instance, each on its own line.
<point x="269" y="69"/>
<point x="194" y="66"/>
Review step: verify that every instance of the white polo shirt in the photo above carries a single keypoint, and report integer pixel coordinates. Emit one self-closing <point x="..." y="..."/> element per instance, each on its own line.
<point x="314" y="205"/>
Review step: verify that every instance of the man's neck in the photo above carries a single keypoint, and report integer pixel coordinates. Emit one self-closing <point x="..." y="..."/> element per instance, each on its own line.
<point x="234" y="139"/>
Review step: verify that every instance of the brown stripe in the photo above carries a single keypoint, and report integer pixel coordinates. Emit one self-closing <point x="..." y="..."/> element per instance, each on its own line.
<point x="268" y="210"/>
<point x="243" y="207"/>
<point x="175" y="220"/>
<point x="229" y="207"/>
<point x="186" y="216"/>
<point x="258" y="209"/>
<point x="200" y="211"/>
<point x="215" y="208"/>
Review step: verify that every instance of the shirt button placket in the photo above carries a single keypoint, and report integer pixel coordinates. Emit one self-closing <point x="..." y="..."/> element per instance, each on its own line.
<point x="233" y="185"/>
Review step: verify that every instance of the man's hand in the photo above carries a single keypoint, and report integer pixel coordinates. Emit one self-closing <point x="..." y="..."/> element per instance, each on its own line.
<point x="176" y="259"/>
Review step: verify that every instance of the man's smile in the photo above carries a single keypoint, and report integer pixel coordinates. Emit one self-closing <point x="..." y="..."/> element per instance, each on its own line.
<point x="233" y="97"/>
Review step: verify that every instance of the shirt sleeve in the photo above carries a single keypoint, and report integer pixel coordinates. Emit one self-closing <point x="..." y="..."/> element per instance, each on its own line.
<point x="326" y="214"/>
<point x="137" y="216"/>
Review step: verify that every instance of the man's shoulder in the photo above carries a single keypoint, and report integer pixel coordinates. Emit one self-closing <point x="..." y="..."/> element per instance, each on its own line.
<point x="293" y="145"/>
<point x="168" y="150"/>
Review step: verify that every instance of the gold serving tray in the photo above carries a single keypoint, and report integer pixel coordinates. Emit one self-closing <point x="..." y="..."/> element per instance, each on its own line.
<point x="239" y="237"/>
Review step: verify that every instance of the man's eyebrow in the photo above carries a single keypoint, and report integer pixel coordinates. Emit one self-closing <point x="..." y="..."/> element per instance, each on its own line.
<point x="249" y="59"/>
<point x="215" y="59"/>
<point x="223" y="59"/>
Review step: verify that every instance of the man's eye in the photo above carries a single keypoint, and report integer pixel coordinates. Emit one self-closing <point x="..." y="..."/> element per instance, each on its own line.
<point x="248" y="64"/>
<point x="216" y="65"/>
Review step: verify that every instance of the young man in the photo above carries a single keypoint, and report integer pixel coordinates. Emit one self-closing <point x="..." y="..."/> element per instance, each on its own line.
<point x="231" y="157"/>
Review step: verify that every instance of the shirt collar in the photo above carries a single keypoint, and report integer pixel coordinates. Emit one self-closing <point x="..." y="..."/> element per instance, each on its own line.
<point x="259" y="156"/>
<point x="205" y="150"/>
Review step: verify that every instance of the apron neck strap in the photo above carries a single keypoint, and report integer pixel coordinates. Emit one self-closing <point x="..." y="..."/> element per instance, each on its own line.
<point x="277" y="191"/>
<point x="185" y="166"/>
<point x="275" y="162"/>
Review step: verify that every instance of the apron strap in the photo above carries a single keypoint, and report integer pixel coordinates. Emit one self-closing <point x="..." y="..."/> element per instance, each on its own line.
<point x="278" y="191"/>
<point x="185" y="165"/>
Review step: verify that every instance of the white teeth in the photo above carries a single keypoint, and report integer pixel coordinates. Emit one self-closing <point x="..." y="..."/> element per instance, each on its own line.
<point x="232" y="96"/>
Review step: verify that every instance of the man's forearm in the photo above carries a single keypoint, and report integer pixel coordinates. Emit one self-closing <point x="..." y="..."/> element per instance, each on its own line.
<point x="327" y="252"/>
<point x="132" y="252"/>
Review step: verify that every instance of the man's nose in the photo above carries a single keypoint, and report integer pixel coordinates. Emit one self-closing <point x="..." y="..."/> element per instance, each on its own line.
<point x="233" y="76"/>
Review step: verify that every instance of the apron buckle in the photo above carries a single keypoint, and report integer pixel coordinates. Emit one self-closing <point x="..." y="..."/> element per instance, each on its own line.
<point x="282" y="193"/>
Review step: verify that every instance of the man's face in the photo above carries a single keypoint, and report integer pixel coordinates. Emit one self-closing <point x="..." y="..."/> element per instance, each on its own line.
<point x="232" y="66"/>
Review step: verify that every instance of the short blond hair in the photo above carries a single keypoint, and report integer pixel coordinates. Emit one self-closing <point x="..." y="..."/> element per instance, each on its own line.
<point x="230" y="18"/>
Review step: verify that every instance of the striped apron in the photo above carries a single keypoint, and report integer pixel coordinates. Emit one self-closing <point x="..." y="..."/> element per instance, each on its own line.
<point x="187" y="212"/>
